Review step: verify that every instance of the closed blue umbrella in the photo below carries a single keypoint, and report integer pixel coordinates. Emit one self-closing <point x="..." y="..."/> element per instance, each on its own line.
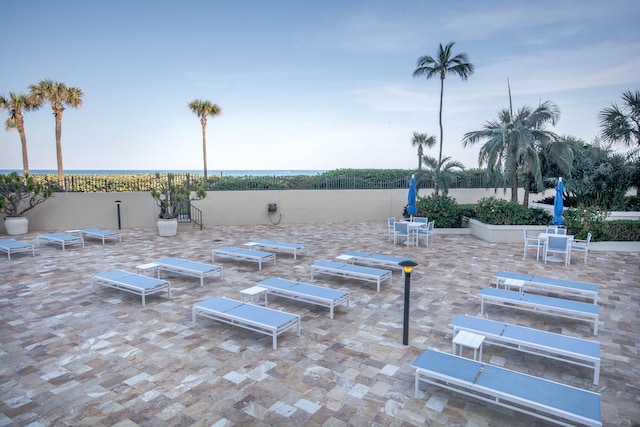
<point x="557" y="204"/>
<point x="411" y="199"/>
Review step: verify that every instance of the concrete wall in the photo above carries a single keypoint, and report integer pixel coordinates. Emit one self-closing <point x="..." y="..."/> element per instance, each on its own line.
<point x="79" y="210"/>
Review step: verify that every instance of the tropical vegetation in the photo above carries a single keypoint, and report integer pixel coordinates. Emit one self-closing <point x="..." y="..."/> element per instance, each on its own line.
<point x="442" y="209"/>
<point x="445" y="63"/>
<point x="443" y="173"/>
<point x="59" y="95"/>
<point x="173" y="197"/>
<point x="204" y="109"/>
<point x="21" y="193"/>
<point x="621" y="124"/>
<point x="422" y="140"/>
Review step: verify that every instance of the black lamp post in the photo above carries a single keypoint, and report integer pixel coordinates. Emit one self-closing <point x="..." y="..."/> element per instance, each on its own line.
<point x="118" y="205"/>
<point x="408" y="267"/>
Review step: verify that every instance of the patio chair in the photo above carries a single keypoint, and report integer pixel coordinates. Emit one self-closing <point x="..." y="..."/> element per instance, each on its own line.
<point x="400" y="232"/>
<point x="422" y="219"/>
<point x="10" y="246"/>
<point x="391" y="225"/>
<point x="557" y="245"/>
<point x="581" y="246"/>
<point x="561" y="231"/>
<point x="532" y="242"/>
<point x="552" y="230"/>
<point x="426" y="233"/>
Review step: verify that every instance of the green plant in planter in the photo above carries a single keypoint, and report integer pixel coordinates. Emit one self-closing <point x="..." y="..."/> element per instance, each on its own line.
<point x="16" y="189"/>
<point x="173" y="197"/>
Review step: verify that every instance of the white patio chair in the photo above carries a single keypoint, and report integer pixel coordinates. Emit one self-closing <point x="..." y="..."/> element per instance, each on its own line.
<point x="561" y="231"/>
<point x="426" y="233"/>
<point x="400" y="232"/>
<point x="581" y="246"/>
<point x="552" y="230"/>
<point x="532" y="242"/>
<point x="390" y="223"/>
<point x="557" y="245"/>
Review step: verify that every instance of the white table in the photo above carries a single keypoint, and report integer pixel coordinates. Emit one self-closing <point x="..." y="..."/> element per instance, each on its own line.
<point x="514" y="283"/>
<point x="344" y="258"/>
<point x="469" y="340"/>
<point x="252" y="294"/>
<point x="413" y="228"/>
<point x="143" y="268"/>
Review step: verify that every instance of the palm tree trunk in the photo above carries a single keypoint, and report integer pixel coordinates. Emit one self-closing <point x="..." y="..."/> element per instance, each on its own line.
<point x="527" y="185"/>
<point x="25" y="158"/>
<point x="436" y="184"/>
<point x="59" y="148"/>
<point x="204" y="145"/>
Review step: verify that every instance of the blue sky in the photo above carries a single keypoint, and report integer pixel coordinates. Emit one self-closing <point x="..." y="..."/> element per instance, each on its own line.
<point x="302" y="84"/>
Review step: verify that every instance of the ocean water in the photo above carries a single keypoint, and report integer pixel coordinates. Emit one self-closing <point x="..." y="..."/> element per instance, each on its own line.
<point x="266" y="172"/>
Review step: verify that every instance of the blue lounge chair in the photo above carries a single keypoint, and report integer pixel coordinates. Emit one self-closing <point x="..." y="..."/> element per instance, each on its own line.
<point x="540" y="398"/>
<point x="10" y="246"/>
<point x="188" y="268"/>
<point x="102" y="235"/>
<point x="271" y="245"/>
<point x="568" y="349"/>
<point x="340" y="269"/>
<point x="373" y="260"/>
<point x="62" y="239"/>
<point x="564" y="288"/>
<point x="131" y="282"/>
<point x="248" y="316"/>
<point x="312" y="294"/>
<point x="570" y="309"/>
<point x="240" y="254"/>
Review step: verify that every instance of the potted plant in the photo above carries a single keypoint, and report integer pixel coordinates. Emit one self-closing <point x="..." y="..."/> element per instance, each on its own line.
<point x="173" y="198"/>
<point x="18" y="195"/>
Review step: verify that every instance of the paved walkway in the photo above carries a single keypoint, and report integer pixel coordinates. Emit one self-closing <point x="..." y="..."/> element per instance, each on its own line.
<point x="69" y="356"/>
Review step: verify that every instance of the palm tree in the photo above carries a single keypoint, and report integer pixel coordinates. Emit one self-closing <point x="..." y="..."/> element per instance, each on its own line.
<point x="445" y="63"/>
<point x="512" y="142"/>
<point x="420" y="140"/>
<point x="622" y="124"/>
<point x="58" y="95"/>
<point x="15" y="105"/>
<point x="203" y="109"/>
<point x="442" y="172"/>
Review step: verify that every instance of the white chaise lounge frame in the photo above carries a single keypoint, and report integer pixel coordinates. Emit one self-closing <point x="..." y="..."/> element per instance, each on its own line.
<point x="10" y="246"/>
<point x="102" y="235"/>
<point x="340" y="269"/>
<point x="248" y="316"/>
<point x="188" y="268"/>
<point x="575" y="310"/>
<point x="131" y="282"/>
<point x="576" y="351"/>
<point x="564" y="288"/>
<point x="241" y="254"/>
<point x="547" y="400"/>
<point x="271" y="245"/>
<point x="312" y="294"/>
<point x="372" y="260"/>
<point x="62" y="239"/>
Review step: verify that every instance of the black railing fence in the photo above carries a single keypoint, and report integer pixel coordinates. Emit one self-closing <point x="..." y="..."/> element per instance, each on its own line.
<point x="125" y="183"/>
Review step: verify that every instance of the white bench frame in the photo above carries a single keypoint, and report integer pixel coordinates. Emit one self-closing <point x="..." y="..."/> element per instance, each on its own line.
<point x="510" y="401"/>
<point x="294" y="295"/>
<point x="103" y="235"/>
<point x="279" y="246"/>
<point x="532" y="347"/>
<point x="372" y="260"/>
<point x="69" y="240"/>
<point x="23" y="247"/>
<point x="245" y="255"/>
<point x="566" y="288"/>
<point x="186" y="271"/>
<point x="133" y="289"/>
<point x="248" y="324"/>
<point x="553" y="306"/>
<point x="340" y="272"/>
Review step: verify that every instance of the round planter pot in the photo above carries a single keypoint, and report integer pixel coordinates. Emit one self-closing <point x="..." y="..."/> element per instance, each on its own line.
<point x="16" y="225"/>
<point x="167" y="227"/>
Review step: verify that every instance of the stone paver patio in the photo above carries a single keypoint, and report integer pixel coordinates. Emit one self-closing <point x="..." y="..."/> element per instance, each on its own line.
<point x="72" y="357"/>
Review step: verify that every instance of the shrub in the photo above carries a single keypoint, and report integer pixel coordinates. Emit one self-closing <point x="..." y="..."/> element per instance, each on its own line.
<point x="621" y="231"/>
<point x="441" y="208"/>
<point x="494" y="211"/>
<point x="582" y="221"/>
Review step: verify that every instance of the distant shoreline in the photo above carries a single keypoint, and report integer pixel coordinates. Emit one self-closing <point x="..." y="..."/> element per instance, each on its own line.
<point x="231" y="172"/>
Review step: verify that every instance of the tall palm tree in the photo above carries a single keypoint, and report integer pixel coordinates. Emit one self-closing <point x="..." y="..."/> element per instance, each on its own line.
<point x="58" y="95"/>
<point x="442" y="172"/>
<point x="443" y="64"/>
<point x="512" y="141"/>
<point x="421" y="140"/>
<point x="15" y="104"/>
<point x="622" y="124"/>
<point x="203" y="109"/>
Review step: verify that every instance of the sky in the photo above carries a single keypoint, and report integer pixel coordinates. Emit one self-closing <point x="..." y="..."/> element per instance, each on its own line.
<point x="302" y="84"/>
